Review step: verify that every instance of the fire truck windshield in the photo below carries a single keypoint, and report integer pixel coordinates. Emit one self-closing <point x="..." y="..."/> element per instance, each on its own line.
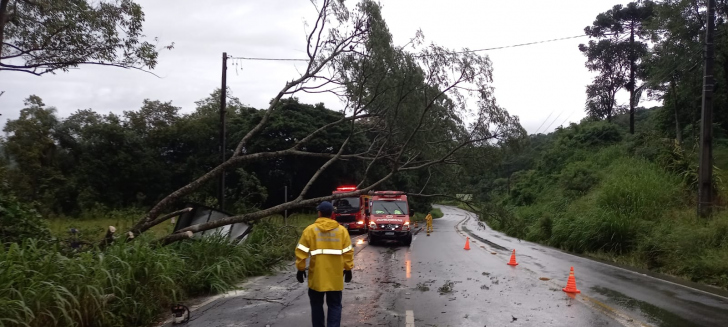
<point x="347" y="204"/>
<point x="389" y="207"/>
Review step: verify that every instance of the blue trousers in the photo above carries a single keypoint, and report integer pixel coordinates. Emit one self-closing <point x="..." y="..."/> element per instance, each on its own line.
<point x="333" y="302"/>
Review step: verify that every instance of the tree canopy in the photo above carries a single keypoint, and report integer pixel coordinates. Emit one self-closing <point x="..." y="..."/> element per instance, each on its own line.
<point x="44" y="36"/>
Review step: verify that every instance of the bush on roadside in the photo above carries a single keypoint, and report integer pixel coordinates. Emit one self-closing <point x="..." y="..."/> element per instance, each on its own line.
<point x="127" y="284"/>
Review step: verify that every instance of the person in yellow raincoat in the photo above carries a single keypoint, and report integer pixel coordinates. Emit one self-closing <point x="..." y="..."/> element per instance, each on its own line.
<point x="329" y="247"/>
<point x="428" y="219"/>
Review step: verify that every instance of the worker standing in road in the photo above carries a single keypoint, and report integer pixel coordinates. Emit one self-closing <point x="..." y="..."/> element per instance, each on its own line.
<point x="428" y="219"/>
<point x="329" y="247"/>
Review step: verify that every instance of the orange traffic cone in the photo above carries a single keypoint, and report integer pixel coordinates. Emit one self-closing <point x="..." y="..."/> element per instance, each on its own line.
<point x="513" y="259"/>
<point x="571" y="283"/>
<point x="467" y="244"/>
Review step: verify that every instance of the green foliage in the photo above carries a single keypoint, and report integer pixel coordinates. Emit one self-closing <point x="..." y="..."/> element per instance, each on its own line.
<point x="578" y="177"/>
<point x="19" y="221"/>
<point x="127" y="284"/>
<point x="628" y="199"/>
<point x="56" y="35"/>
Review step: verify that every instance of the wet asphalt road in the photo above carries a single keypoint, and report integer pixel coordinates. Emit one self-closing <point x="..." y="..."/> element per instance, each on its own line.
<point x="435" y="282"/>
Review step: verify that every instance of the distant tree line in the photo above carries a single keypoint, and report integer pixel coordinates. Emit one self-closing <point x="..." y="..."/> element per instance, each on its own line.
<point x="90" y="160"/>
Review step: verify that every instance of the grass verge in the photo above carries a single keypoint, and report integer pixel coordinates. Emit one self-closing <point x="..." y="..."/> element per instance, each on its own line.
<point x="131" y="284"/>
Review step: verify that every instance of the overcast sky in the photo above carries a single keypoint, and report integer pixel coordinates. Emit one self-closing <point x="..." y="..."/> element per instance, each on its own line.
<point x="532" y="82"/>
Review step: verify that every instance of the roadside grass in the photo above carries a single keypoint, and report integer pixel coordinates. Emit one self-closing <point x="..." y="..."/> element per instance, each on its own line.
<point x="92" y="226"/>
<point x="130" y="284"/>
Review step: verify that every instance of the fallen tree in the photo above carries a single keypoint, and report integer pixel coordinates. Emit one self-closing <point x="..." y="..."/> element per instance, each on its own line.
<point x="409" y="101"/>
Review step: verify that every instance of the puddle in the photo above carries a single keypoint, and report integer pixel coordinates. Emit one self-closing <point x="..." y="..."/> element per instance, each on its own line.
<point x="654" y="314"/>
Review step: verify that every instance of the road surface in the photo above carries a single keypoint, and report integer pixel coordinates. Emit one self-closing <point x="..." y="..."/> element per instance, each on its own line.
<point x="435" y="282"/>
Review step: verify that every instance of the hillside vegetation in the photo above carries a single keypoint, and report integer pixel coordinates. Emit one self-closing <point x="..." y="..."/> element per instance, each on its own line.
<point x="593" y="188"/>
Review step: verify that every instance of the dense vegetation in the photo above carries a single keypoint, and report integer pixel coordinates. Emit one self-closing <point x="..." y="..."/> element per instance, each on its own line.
<point x="593" y="188"/>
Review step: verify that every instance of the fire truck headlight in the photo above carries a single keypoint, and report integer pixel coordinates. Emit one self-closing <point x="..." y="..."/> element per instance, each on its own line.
<point x="373" y="226"/>
<point x="407" y="225"/>
<point x="360" y="222"/>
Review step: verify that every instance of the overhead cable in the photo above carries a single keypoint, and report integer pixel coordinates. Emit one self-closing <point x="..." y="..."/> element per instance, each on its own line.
<point x="465" y="51"/>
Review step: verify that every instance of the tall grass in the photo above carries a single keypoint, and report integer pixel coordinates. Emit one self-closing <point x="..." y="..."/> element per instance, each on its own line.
<point x="611" y="217"/>
<point x="128" y="284"/>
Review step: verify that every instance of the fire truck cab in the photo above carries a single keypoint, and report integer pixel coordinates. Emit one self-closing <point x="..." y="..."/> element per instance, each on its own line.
<point x="389" y="217"/>
<point x="351" y="212"/>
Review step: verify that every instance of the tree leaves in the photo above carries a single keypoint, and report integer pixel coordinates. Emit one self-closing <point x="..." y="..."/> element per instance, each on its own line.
<point x="44" y="36"/>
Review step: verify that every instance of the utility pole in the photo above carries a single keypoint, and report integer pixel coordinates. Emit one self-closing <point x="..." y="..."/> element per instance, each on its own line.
<point x="285" y="215"/>
<point x="632" y="82"/>
<point x="223" y="98"/>
<point x="705" y="187"/>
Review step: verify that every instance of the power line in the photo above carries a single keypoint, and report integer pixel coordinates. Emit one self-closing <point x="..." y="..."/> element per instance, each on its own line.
<point x="557" y="117"/>
<point x="525" y="44"/>
<point x="567" y="118"/>
<point x="268" y="59"/>
<point x="465" y="51"/>
<point x="544" y="121"/>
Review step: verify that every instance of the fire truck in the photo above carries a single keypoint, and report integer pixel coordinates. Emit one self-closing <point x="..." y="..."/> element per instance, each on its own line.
<point x="352" y="212"/>
<point x="389" y="217"/>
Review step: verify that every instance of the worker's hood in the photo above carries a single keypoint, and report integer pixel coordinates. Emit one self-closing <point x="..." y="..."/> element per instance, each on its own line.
<point x="326" y="224"/>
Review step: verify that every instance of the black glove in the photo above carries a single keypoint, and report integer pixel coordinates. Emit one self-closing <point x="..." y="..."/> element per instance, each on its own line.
<point x="347" y="275"/>
<point x="300" y="275"/>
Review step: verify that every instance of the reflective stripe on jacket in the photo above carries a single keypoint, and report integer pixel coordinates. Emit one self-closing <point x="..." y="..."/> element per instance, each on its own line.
<point x="329" y="247"/>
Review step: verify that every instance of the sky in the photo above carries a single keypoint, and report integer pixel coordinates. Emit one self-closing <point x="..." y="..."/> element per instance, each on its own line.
<point x="542" y="84"/>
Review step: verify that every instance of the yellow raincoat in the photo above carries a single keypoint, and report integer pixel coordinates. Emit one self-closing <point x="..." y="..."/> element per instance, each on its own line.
<point x="329" y="246"/>
<point x="428" y="219"/>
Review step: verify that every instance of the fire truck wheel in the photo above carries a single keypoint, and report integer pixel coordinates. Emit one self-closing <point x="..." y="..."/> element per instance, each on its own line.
<point x="372" y="240"/>
<point x="408" y="240"/>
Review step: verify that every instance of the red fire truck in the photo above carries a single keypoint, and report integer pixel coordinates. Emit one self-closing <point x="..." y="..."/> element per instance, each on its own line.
<point x="389" y="217"/>
<point x="351" y="212"/>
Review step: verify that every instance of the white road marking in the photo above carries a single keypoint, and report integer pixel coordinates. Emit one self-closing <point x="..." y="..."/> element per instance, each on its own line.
<point x="410" y="319"/>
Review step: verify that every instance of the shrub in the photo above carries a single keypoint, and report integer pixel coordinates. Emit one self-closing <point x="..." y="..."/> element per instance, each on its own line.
<point x="578" y="177"/>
